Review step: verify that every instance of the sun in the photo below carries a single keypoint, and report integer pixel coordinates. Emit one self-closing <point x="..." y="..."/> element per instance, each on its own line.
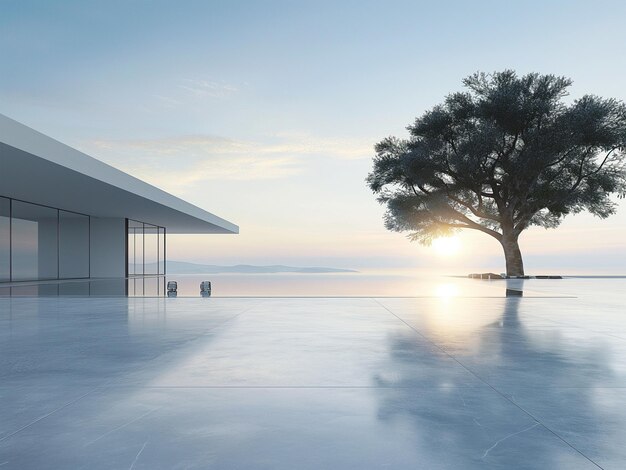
<point x="446" y="246"/>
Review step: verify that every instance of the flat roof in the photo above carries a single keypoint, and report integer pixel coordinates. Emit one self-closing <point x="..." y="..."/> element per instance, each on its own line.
<point x="39" y="169"/>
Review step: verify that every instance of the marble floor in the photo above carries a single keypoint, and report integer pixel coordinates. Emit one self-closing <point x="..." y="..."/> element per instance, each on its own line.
<point x="312" y="383"/>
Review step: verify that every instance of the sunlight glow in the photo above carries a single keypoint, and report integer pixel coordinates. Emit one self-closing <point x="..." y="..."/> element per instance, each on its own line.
<point x="446" y="291"/>
<point x="448" y="246"/>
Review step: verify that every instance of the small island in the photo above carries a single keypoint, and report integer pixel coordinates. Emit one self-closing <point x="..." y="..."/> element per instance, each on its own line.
<point x="182" y="267"/>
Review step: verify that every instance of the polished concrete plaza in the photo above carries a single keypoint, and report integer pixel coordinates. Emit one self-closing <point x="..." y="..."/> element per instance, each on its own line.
<point x="537" y="382"/>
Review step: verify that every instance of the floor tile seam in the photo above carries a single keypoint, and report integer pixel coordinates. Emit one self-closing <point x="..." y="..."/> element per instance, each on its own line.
<point x="417" y="387"/>
<point x="283" y="297"/>
<point x="556" y="322"/>
<point x="501" y="394"/>
<point x="288" y="297"/>
<point x="278" y="387"/>
<point x="47" y="415"/>
<point x="355" y="387"/>
<point x="243" y="311"/>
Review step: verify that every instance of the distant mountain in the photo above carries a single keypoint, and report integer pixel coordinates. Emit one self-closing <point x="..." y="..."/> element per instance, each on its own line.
<point x="181" y="267"/>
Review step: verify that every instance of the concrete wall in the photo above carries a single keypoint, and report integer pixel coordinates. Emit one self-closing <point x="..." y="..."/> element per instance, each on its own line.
<point x="47" y="248"/>
<point x="73" y="246"/>
<point x="5" y="237"/>
<point x="108" y="247"/>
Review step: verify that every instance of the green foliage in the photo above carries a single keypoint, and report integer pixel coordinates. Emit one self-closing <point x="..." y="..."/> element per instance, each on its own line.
<point x="503" y="155"/>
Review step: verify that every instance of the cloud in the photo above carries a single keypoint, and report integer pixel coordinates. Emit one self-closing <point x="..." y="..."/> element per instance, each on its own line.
<point x="168" y="101"/>
<point x="306" y="144"/>
<point x="207" y="88"/>
<point x="182" y="161"/>
<point x="196" y="158"/>
<point x="187" y="91"/>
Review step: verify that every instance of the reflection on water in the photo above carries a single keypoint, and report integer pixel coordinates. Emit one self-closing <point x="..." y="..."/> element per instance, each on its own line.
<point x="361" y="284"/>
<point x="364" y="284"/>
<point x="447" y="290"/>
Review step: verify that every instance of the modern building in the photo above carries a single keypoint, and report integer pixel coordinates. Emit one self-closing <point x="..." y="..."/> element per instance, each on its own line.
<point x="66" y="215"/>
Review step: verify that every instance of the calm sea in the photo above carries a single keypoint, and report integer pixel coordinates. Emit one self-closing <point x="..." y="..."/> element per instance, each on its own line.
<point x="404" y="283"/>
<point x="369" y="284"/>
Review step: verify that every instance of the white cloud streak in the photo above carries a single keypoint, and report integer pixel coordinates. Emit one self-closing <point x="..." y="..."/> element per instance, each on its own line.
<point x="186" y="160"/>
<point x="177" y="163"/>
<point x="207" y="88"/>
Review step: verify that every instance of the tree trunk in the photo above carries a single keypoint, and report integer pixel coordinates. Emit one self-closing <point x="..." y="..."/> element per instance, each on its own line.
<point x="512" y="255"/>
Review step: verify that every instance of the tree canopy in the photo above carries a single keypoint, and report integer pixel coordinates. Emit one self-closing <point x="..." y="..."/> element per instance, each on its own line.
<point x="505" y="154"/>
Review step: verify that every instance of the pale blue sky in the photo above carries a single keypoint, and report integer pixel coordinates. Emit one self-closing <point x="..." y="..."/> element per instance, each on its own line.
<point x="270" y="109"/>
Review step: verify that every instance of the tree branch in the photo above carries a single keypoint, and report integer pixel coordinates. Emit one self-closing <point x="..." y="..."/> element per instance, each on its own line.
<point x="581" y="176"/>
<point x="495" y="234"/>
<point x="474" y="225"/>
<point x="473" y="210"/>
<point x="559" y="160"/>
<point x="597" y="170"/>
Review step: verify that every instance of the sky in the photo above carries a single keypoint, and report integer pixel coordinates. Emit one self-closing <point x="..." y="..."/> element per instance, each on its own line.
<point x="266" y="113"/>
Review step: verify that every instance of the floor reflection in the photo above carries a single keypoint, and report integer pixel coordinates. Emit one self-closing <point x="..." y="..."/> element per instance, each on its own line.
<point x="191" y="286"/>
<point x="482" y="392"/>
<point x="287" y="285"/>
<point x="131" y="287"/>
<point x="147" y="287"/>
<point x="433" y="383"/>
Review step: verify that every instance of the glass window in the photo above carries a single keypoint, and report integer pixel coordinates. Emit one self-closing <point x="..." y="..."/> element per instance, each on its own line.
<point x="161" y="250"/>
<point x="73" y="245"/>
<point x="146" y="249"/>
<point x="136" y="287"/>
<point x="34" y="242"/>
<point x="5" y="239"/>
<point x="151" y="286"/>
<point x="135" y="247"/>
<point x="151" y="249"/>
<point x="131" y="250"/>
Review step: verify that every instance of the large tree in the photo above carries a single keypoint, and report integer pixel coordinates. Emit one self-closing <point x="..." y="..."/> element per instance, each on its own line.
<point x="506" y="154"/>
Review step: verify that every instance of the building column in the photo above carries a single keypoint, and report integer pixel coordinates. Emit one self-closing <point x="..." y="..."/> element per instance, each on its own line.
<point x="108" y="247"/>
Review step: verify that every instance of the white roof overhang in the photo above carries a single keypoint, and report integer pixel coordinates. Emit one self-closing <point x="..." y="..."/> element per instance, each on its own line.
<point x="39" y="169"/>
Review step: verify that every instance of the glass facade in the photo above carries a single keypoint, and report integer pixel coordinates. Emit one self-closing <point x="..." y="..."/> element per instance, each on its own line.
<point x="135" y="248"/>
<point x="146" y="249"/>
<point x="45" y="243"/>
<point x="42" y="243"/>
<point x="161" y="258"/>
<point x="146" y="286"/>
<point x="150" y="249"/>
<point x="5" y="239"/>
